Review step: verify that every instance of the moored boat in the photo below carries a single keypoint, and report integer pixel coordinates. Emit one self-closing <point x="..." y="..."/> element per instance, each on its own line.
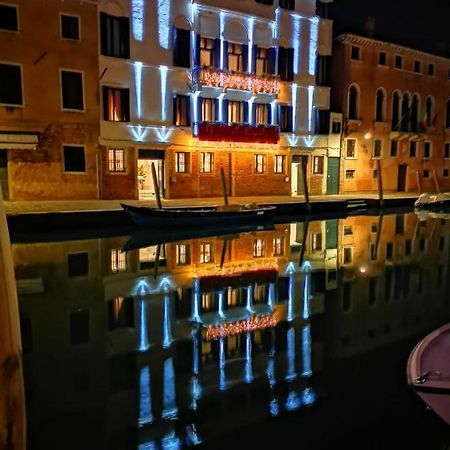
<point x="229" y="214"/>
<point x="428" y="371"/>
<point x="434" y="202"/>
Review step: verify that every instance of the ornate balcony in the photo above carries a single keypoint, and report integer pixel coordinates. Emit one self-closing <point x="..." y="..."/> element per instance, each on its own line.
<point x="215" y="78"/>
<point x="236" y="132"/>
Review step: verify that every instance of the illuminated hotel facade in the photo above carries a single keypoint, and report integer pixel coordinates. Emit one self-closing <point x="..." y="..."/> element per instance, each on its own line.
<point x="196" y="87"/>
<point x="396" y="109"/>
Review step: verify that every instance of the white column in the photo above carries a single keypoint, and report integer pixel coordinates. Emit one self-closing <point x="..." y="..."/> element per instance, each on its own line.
<point x="290" y="354"/>
<point x="144" y="344"/>
<point x="167" y="325"/>
<point x="250" y="299"/>
<point x="248" y="375"/>
<point x="195" y="316"/>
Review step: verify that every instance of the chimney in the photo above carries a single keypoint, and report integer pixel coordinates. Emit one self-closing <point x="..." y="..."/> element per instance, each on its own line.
<point x="369" y="27"/>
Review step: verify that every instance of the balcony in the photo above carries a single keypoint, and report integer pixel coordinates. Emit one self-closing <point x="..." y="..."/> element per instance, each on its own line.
<point x="236" y="132"/>
<point x="222" y="80"/>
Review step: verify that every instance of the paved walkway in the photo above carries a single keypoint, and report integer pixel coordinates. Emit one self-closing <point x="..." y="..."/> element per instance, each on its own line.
<point x="21" y="207"/>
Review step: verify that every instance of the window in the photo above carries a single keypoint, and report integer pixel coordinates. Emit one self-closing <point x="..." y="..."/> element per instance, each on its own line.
<point x="417" y="66"/>
<point x="115" y="36"/>
<point x="235" y="112"/>
<point x="318" y="165"/>
<point x="414" y="113"/>
<point x="182" y="254"/>
<point x="350" y="148"/>
<point x="280" y="162"/>
<point x="182" y="116"/>
<point x="429" y="111"/>
<point x="399" y="224"/>
<point x="286" y="63"/>
<point x="118" y="261"/>
<point x="447" y="150"/>
<point x="445" y="173"/>
<point x="394" y="148"/>
<point x="258" y="248"/>
<point x="395" y="111"/>
<point x="348" y="255"/>
<point x="70" y="27"/>
<point x="355" y="53"/>
<point x="350" y="174"/>
<point x="379" y="105"/>
<point x="78" y="264"/>
<point x="206" y="162"/>
<point x="285" y="114"/>
<point x="389" y="251"/>
<point x="377" y="148"/>
<point x="181" y="162"/>
<point x="348" y="230"/>
<point x="382" y="58"/>
<point x="235" y="57"/>
<point x="278" y="246"/>
<point x="408" y="247"/>
<point x="374" y="228"/>
<point x="287" y="4"/>
<point x="208" y="110"/>
<point x="262" y="62"/>
<point x="422" y="245"/>
<point x="260" y="163"/>
<point x="412" y="149"/>
<point x="206" y="255"/>
<point x="79" y="327"/>
<point x="8" y="18"/>
<point x="427" y="150"/>
<point x="398" y="62"/>
<point x="72" y="90"/>
<point x="74" y="159"/>
<point x="116" y="104"/>
<point x="120" y="313"/>
<point x="262" y="114"/>
<point x="10" y="84"/>
<point x="431" y="69"/>
<point x="316" y="242"/>
<point x="375" y="173"/>
<point x="426" y="173"/>
<point x="335" y="127"/>
<point x="353" y="103"/>
<point x="447" y="115"/>
<point x="206" y="52"/>
<point x="181" y="47"/>
<point x="265" y="2"/>
<point x="116" y="160"/>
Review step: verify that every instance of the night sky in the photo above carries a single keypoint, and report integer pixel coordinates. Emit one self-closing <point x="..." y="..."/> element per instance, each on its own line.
<point x="418" y="24"/>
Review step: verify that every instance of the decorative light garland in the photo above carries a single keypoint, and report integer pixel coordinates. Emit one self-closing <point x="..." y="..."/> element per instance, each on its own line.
<point x="241" y="81"/>
<point x="238" y="269"/>
<point x="215" y="332"/>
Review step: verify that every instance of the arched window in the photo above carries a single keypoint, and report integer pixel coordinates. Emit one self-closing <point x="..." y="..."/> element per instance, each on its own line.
<point x="395" y="111"/>
<point x="447" y="116"/>
<point x="353" y="103"/>
<point x="429" y="111"/>
<point x="414" y="122"/>
<point x="406" y="113"/>
<point x="379" y="105"/>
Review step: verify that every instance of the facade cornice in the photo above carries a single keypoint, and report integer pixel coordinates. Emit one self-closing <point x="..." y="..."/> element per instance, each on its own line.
<point x="349" y="38"/>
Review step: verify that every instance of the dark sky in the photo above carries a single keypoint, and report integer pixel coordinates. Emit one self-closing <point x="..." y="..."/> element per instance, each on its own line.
<point x="419" y="24"/>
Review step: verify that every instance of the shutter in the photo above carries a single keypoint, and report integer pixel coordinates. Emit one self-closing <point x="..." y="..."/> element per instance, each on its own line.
<point x="185" y="47"/>
<point x="216" y="109"/>
<point x="125" y="94"/>
<point x="175" y="46"/>
<point x="245" y="111"/>
<point x="217" y="53"/>
<point x="103" y="33"/>
<point x="290" y="125"/>
<point x="245" y="57"/>
<point x="269" y="114"/>
<point x="198" y="105"/>
<point x="225" y="55"/>
<point x="282" y="63"/>
<point x="272" y="59"/>
<point x="290" y="64"/>
<point x="105" y="102"/>
<point x="254" y="56"/>
<point x="254" y="113"/>
<point x="196" y="45"/>
<point x="174" y="103"/>
<point x="225" y="110"/>
<point x="125" y="37"/>
<point x="187" y="99"/>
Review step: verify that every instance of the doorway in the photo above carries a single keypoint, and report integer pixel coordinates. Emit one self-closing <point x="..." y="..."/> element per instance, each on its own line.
<point x="4" y="174"/>
<point x="298" y="173"/>
<point x="333" y="176"/>
<point x="145" y="184"/>
<point x="401" y="180"/>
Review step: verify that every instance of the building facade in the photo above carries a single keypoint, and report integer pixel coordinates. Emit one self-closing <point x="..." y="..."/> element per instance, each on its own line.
<point x="48" y="100"/>
<point x="395" y="103"/>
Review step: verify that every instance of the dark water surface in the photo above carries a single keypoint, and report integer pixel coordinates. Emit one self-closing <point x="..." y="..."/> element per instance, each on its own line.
<point x="292" y="337"/>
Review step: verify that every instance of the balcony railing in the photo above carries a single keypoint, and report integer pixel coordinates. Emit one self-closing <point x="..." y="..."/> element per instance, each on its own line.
<point x="206" y="76"/>
<point x="237" y="132"/>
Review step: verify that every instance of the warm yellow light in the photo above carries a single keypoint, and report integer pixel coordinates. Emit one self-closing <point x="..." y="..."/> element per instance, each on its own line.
<point x="368" y="136"/>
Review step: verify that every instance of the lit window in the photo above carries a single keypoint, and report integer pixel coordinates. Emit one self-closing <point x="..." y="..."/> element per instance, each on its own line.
<point x="316" y="242"/>
<point x="206" y="255"/>
<point x="262" y="114"/>
<point x="350" y="174"/>
<point x="181" y="162"/>
<point x="70" y="27"/>
<point x="278" y="244"/>
<point x="262" y="61"/>
<point x="118" y="261"/>
<point x="235" y="57"/>
<point x="258" y="248"/>
<point x="260" y="163"/>
<point x="279" y="163"/>
<point x="350" y="148"/>
<point x="116" y="104"/>
<point x="182" y="111"/>
<point x="318" y="165"/>
<point x="116" y="160"/>
<point x="206" y="52"/>
<point x="377" y="148"/>
<point x="182" y="254"/>
<point x="208" y="110"/>
<point x="235" y="112"/>
<point x="206" y="162"/>
<point x="149" y="255"/>
<point x="207" y="302"/>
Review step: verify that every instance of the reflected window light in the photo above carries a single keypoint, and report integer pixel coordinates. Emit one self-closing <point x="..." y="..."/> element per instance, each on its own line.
<point x="118" y="261"/>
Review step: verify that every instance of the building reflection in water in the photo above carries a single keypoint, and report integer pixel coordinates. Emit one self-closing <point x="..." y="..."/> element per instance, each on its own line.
<point x="179" y="338"/>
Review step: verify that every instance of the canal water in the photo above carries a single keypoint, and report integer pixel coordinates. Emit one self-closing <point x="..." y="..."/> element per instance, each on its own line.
<point x="296" y="336"/>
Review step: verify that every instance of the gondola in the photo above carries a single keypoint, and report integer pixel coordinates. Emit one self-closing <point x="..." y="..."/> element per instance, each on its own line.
<point x="199" y="216"/>
<point x="428" y="371"/>
<point x="433" y="202"/>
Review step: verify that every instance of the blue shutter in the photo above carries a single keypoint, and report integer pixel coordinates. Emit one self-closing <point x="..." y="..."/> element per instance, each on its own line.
<point x="245" y="57"/>
<point x="254" y="113"/>
<point x="272" y="60"/>
<point x="290" y="64"/>
<point x="254" y="56"/>
<point x="216" y="109"/>
<point x="217" y="53"/>
<point x="269" y="114"/>
<point x="196" y="50"/>
<point x="198" y="105"/>
<point x="225" y="55"/>
<point x="225" y="110"/>
<point x="245" y="110"/>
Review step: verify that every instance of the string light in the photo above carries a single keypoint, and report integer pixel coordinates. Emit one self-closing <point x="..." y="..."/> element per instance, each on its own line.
<point x="238" y="269"/>
<point x="215" y="332"/>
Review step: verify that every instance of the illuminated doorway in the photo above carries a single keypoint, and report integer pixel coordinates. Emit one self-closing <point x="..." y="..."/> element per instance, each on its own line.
<point x="145" y="184"/>
<point x="4" y="174"/>
<point x="297" y="174"/>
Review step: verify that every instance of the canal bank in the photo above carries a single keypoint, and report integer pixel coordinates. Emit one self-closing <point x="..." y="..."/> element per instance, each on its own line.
<point x="106" y="217"/>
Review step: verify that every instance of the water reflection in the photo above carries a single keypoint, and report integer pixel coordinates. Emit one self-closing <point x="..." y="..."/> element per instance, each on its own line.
<point x="178" y="344"/>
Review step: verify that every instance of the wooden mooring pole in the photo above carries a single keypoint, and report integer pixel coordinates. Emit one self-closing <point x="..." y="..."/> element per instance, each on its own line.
<point x="305" y="186"/>
<point x="224" y="187"/>
<point x="380" y="185"/>
<point x="156" y="186"/>
<point x="419" y="182"/>
<point x="436" y="182"/>
<point x="12" y="395"/>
